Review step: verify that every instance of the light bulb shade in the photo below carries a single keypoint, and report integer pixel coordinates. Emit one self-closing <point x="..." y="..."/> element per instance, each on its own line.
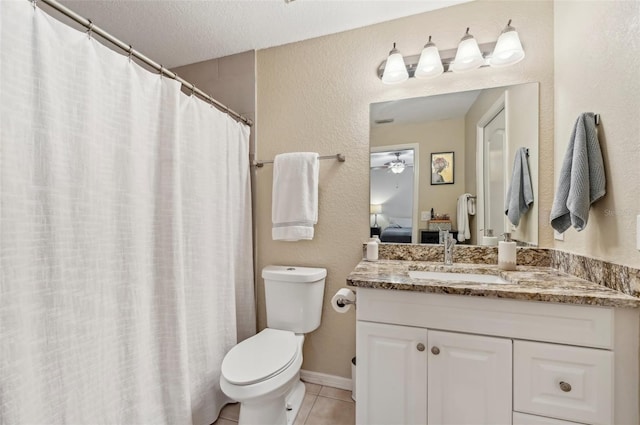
<point x="395" y="70"/>
<point x="430" y="63"/>
<point x="375" y="208"/>
<point x="508" y="50"/>
<point x="468" y="56"/>
<point x="397" y="167"/>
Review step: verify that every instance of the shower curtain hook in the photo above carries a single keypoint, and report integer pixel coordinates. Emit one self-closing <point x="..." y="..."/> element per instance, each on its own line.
<point x="193" y="89"/>
<point x="130" y="52"/>
<point x="161" y="71"/>
<point x="90" y="30"/>
<point x="33" y="3"/>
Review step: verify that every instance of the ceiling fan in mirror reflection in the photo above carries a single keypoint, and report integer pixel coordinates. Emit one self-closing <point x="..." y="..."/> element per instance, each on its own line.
<point x="396" y="165"/>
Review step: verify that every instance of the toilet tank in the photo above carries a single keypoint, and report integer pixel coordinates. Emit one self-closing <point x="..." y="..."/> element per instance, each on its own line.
<point x="294" y="297"/>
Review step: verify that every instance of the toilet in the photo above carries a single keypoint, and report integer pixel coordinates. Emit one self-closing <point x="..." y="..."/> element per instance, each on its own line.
<point x="263" y="372"/>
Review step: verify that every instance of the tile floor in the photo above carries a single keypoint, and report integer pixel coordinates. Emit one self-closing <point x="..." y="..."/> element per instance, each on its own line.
<point x="321" y="406"/>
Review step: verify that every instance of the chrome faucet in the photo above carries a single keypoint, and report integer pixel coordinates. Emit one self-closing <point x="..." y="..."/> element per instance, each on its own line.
<point x="448" y="241"/>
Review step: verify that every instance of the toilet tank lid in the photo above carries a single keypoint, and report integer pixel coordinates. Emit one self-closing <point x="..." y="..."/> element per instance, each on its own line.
<point x="294" y="273"/>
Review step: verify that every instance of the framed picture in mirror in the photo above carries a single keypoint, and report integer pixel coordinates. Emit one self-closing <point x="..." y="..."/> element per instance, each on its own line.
<point x="442" y="168"/>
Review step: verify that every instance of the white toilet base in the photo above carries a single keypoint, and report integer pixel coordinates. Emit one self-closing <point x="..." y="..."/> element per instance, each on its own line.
<point x="275" y="410"/>
<point x="294" y="401"/>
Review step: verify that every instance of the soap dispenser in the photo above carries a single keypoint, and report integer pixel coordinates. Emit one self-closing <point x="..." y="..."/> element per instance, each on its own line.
<point x="372" y="250"/>
<point x="507" y="253"/>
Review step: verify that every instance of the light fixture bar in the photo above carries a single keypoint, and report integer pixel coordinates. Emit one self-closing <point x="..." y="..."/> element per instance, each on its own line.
<point x="447" y="57"/>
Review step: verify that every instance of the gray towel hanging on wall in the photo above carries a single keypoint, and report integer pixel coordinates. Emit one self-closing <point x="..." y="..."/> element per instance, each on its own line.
<point x="582" y="178"/>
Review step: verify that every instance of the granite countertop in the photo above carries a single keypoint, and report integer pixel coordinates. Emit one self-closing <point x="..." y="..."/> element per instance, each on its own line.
<point x="526" y="283"/>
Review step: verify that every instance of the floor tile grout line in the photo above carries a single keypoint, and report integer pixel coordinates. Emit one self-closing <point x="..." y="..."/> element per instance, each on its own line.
<point x="335" y="398"/>
<point x="311" y="409"/>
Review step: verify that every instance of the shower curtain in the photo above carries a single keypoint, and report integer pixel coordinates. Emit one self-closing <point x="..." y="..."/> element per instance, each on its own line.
<point x="125" y="235"/>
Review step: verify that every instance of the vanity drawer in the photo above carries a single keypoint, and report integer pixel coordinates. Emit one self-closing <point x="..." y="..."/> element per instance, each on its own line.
<point x="563" y="382"/>
<point x="524" y="419"/>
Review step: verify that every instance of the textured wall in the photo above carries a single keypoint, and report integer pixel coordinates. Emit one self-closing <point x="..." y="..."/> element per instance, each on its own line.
<point x="315" y="96"/>
<point x="599" y="71"/>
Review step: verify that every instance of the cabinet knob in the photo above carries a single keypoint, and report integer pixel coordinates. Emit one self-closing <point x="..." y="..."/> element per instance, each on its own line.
<point x="420" y="347"/>
<point x="435" y="350"/>
<point x="565" y="386"/>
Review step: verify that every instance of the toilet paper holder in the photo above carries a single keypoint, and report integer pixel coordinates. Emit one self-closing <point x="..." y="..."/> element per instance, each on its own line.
<point x="343" y="301"/>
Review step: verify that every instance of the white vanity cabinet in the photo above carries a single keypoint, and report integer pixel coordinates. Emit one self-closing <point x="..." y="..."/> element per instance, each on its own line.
<point x="469" y="379"/>
<point x="394" y="374"/>
<point x="465" y="378"/>
<point x="448" y="359"/>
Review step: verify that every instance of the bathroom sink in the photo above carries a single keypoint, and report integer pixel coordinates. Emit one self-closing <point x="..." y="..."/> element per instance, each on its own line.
<point x="457" y="277"/>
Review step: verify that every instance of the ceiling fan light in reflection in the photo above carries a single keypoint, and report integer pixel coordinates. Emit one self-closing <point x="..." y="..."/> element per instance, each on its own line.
<point x="397" y="167"/>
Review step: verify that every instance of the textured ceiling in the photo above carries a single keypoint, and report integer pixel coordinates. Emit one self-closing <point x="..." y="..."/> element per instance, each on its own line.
<point x="180" y="32"/>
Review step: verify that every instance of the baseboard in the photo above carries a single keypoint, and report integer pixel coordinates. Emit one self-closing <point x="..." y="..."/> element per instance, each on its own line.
<point x="325" y="379"/>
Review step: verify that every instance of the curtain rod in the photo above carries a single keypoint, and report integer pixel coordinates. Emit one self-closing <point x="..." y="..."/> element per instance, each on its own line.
<point x="132" y="52"/>
<point x="340" y="157"/>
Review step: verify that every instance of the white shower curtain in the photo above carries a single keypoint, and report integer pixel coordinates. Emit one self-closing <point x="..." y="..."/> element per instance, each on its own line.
<point x="125" y="235"/>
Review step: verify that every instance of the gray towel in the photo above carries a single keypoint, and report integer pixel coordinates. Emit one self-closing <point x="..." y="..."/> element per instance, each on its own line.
<point x="520" y="193"/>
<point x="582" y="179"/>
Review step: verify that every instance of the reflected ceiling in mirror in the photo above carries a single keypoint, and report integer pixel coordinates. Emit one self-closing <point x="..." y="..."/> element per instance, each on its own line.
<point x="483" y="130"/>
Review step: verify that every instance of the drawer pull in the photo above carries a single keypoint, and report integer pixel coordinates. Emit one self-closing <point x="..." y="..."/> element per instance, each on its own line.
<point x="420" y="347"/>
<point x="565" y="386"/>
<point x="435" y="350"/>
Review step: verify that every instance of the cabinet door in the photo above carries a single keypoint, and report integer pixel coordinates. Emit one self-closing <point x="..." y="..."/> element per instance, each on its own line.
<point x="469" y="379"/>
<point x="391" y="378"/>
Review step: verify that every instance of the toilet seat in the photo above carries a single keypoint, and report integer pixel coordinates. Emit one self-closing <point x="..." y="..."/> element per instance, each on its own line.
<point x="260" y="357"/>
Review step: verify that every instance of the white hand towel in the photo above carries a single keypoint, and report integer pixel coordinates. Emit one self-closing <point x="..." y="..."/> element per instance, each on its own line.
<point x="471" y="205"/>
<point x="520" y="193"/>
<point x="582" y="179"/>
<point x="294" y="208"/>
<point x="464" y="232"/>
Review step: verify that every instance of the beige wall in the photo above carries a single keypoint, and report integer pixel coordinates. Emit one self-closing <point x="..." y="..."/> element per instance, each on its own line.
<point x="597" y="69"/>
<point x="315" y="96"/>
<point x="435" y="136"/>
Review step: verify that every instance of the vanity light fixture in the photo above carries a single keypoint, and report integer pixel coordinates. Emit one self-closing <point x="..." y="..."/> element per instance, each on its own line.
<point x="395" y="70"/>
<point x="467" y="56"/>
<point x="430" y="63"/>
<point x="508" y="50"/>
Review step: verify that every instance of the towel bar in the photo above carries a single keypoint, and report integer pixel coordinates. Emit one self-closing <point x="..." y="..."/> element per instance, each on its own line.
<point x="340" y="157"/>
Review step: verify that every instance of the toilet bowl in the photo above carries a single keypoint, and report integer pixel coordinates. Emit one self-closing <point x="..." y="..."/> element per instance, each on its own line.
<point x="263" y="372"/>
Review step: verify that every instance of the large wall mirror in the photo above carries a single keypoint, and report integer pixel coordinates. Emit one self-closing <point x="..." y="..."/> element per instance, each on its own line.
<point x="431" y="154"/>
